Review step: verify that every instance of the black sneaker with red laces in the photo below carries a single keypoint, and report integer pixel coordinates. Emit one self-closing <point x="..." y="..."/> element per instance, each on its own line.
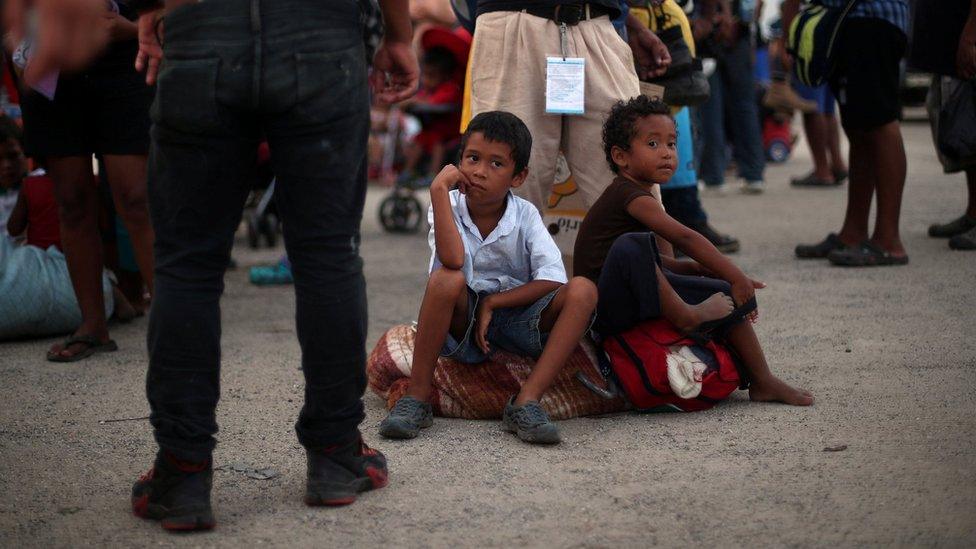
<point x="176" y="493"/>
<point x="337" y="474"/>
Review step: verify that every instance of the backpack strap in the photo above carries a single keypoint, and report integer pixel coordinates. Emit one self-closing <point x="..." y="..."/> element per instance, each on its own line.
<point x="638" y="364"/>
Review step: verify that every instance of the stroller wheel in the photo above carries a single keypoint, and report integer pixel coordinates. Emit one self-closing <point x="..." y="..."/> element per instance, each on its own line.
<point x="400" y="214"/>
<point x="778" y="151"/>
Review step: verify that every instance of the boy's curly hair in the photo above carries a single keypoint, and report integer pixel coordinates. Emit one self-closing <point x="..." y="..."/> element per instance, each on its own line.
<point x="503" y="127"/>
<point x="621" y="123"/>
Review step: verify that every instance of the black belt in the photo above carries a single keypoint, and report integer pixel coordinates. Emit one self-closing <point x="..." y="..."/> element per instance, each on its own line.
<point x="570" y="14"/>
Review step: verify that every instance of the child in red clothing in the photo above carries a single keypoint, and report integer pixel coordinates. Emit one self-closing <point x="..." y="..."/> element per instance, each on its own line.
<point x="37" y="212"/>
<point x="34" y="208"/>
<point x="438" y="105"/>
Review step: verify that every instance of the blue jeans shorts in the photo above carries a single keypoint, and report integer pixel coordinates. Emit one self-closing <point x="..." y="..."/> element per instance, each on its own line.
<point x="514" y="329"/>
<point x="821" y="94"/>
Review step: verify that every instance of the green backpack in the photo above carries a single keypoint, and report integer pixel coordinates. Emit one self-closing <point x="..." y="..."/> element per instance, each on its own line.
<point x="812" y="41"/>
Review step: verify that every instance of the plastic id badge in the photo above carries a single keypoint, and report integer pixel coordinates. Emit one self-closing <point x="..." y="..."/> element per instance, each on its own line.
<point x="564" y="85"/>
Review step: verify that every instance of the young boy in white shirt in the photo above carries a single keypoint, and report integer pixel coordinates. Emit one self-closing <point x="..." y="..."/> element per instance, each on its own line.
<point x="496" y="280"/>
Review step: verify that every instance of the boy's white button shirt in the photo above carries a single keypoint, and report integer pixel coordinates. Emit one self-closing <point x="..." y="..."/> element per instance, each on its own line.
<point x="518" y="250"/>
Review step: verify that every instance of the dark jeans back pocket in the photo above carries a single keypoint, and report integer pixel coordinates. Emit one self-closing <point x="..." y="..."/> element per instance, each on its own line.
<point x="330" y="84"/>
<point x="186" y="96"/>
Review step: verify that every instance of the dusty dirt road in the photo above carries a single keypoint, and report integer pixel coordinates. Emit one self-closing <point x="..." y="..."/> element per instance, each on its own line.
<point x="889" y="353"/>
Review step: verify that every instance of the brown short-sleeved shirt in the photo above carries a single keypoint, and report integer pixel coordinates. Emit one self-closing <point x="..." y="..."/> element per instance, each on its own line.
<point x="606" y="220"/>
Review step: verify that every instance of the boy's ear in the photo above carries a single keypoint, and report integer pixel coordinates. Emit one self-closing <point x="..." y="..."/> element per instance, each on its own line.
<point x="620" y="157"/>
<point x="520" y="178"/>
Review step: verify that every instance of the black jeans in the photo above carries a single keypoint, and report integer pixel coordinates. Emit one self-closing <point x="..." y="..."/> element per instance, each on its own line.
<point x="235" y="72"/>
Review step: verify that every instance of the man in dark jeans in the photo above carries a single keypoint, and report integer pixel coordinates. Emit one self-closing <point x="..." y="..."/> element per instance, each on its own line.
<point x="234" y="72"/>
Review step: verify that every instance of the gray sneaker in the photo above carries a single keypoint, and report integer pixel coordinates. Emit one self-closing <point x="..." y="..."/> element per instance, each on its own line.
<point x="407" y="418"/>
<point x="530" y="423"/>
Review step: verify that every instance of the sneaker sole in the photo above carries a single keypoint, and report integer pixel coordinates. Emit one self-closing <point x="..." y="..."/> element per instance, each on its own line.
<point x="338" y="494"/>
<point x="531" y="438"/>
<point x="399" y="432"/>
<point x="176" y="521"/>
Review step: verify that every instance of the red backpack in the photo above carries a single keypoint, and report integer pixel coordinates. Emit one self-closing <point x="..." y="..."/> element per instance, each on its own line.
<point x="638" y="358"/>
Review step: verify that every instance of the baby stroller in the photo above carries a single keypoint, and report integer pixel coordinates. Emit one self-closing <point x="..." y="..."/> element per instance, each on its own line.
<point x="401" y="211"/>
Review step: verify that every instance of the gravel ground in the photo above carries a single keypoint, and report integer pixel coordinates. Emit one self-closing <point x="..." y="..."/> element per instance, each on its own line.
<point x="889" y="354"/>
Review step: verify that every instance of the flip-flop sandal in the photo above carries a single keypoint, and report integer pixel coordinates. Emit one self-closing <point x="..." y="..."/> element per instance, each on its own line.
<point x="717" y="328"/>
<point x="867" y="254"/>
<point x="813" y="181"/>
<point x="821" y="249"/>
<point x="92" y="346"/>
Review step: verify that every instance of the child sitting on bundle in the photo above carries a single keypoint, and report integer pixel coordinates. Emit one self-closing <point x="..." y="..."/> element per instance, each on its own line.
<point x="624" y="245"/>
<point x="496" y="281"/>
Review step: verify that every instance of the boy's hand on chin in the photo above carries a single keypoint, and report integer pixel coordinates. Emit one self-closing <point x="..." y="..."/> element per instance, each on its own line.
<point x="449" y="178"/>
<point x="483" y="320"/>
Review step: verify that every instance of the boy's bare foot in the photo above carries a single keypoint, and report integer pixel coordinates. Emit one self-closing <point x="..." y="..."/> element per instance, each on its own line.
<point x="777" y="390"/>
<point x="715" y="307"/>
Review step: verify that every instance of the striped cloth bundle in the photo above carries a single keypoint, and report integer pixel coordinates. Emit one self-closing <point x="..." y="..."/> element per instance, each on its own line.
<point x="481" y="391"/>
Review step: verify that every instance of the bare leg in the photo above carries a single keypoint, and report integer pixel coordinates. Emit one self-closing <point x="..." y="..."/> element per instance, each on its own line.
<point x="765" y="386"/>
<point x="444" y="307"/>
<point x="127" y="177"/>
<point x="860" y="192"/>
<point x="77" y="197"/>
<point x="687" y="317"/>
<point x="566" y="319"/>
<point x="888" y="163"/>
<point x="815" y="128"/>
<point x="832" y="130"/>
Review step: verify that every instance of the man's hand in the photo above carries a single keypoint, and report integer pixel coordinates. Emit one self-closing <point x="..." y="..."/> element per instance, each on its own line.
<point x="966" y="55"/>
<point x="395" y="72"/>
<point x="150" y="55"/>
<point x="650" y="54"/>
<point x="482" y="321"/>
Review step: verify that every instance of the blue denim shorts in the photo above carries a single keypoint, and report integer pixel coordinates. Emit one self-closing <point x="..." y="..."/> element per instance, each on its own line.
<point x="514" y="329"/>
<point x="821" y="94"/>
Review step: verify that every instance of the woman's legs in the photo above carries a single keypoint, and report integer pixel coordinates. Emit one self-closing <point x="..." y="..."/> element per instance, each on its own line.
<point x="127" y="178"/>
<point x="77" y="197"/>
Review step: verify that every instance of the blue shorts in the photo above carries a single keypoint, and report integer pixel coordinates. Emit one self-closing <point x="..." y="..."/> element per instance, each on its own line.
<point x="515" y="329"/>
<point x="821" y="94"/>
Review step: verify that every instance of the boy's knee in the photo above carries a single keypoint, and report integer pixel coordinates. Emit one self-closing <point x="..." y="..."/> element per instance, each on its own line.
<point x="446" y="281"/>
<point x="583" y="291"/>
<point x="630" y="244"/>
